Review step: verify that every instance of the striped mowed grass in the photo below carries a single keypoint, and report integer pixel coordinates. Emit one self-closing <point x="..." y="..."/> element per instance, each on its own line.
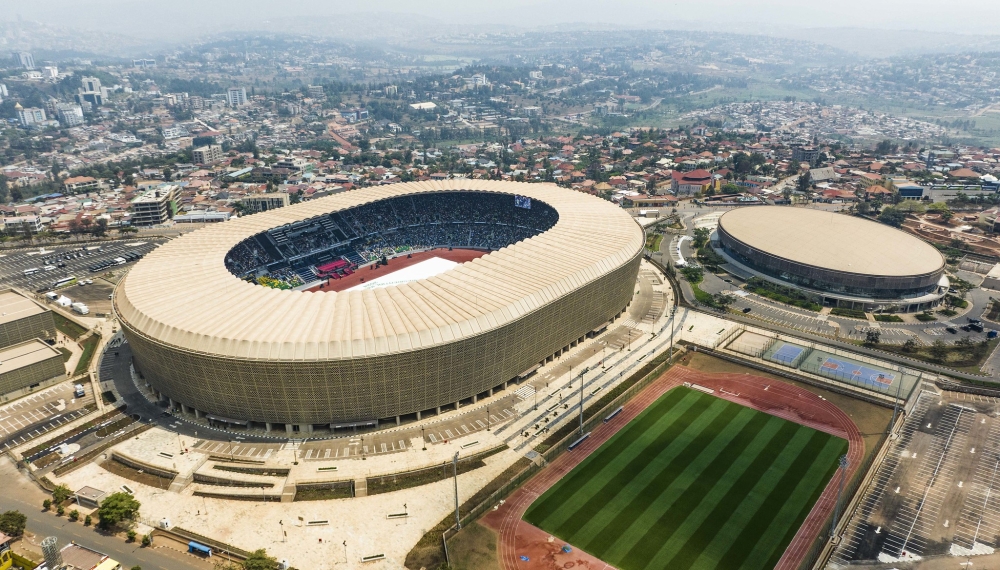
<point x="693" y="482"/>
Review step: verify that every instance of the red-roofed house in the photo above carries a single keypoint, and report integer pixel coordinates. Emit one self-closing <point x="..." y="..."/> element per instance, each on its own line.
<point x="689" y="183"/>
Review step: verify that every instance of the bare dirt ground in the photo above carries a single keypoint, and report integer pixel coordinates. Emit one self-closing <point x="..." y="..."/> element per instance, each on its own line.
<point x="369" y="272"/>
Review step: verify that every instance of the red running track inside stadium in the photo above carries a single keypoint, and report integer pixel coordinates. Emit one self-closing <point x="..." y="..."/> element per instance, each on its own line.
<point x="517" y="537"/>
<point x="367" y="273"/>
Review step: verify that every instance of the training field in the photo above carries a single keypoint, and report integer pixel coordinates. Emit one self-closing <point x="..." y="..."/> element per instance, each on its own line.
<point x="693" y="481"/>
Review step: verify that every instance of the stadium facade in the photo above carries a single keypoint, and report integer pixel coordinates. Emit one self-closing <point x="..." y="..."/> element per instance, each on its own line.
<point x="841" y="261"/>
<point x="207" y="337"/>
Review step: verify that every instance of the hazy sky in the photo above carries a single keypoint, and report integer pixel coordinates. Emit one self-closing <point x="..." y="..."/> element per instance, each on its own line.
<point x="187" y="18"/>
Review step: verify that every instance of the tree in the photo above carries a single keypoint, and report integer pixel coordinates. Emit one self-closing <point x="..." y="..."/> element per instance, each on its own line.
<point x="60" y="494"/>
<point x="117" y="508"/>
<point x="910" y="345"/>
<point x="892" y="217"/>
<point x="872" y="337"/>
<point x="701" y="236"/>
<point x="100" y="228"/>
<point x="863" y="208"/>
<point x="12" y="523"/>
<point x="804" y="182"/>
<point x="259" y="560"/>
<point x="939" y="350"/>
<point x="723" y="301"/>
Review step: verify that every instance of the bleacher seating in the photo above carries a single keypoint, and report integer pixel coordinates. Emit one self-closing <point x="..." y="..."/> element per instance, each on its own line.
<point x="366" y="233"/>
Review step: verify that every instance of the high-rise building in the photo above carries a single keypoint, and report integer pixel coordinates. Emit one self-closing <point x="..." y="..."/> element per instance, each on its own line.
<point x="143" y="63"/>
<point x="316" y="91"/>
<point x="70" y="114"/>
<point x="92" y="92"/>
<point x="50" y="72"/>
<point x="209" y="154"/>
<point x="154" y="206"/>
<point x="236" y="96"/>
<point x="23" y="59"/>
<point x="29" y="116"/>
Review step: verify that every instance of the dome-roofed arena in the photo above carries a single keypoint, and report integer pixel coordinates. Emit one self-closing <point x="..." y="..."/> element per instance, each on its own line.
<point x="846" y="260"/>
<point x="244" y="321"/>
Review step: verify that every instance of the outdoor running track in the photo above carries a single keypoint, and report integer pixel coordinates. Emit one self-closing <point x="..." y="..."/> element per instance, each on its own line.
<point x="769" y="396"/>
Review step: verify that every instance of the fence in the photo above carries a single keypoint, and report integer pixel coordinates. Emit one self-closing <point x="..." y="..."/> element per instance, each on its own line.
<point x="822" y="542"/>
<point x="596" y="418"/>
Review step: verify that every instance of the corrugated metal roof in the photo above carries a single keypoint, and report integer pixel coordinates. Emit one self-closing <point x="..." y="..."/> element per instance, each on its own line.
<point x="183" y="295"/>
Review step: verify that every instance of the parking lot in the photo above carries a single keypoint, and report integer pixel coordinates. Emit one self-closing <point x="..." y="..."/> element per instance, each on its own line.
<point x="935" y="492"/>
<point x="55" y="262"/>
<point x="40" y="412"/>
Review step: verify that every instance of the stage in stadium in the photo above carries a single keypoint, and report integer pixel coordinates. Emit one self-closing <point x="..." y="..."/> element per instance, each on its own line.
<point x="370" y="272"/>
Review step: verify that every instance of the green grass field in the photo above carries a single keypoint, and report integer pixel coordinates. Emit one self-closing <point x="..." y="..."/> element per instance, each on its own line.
<point x="693" y="482"/>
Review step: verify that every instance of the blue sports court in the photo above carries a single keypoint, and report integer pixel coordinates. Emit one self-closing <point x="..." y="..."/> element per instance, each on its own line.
<point x="875" y="378"/>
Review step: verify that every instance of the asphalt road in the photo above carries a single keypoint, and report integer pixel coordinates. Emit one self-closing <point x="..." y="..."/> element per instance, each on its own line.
<point x="20" y="494"/>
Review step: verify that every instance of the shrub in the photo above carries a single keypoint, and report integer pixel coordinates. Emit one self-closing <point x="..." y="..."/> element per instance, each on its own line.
<point x="47" y="504"/>
<point x="147" y="540"/>
<point x="853" y="313"/>
<point x="87" y="520"/>
<point x="131" y="534"/>
<point x="925" y="317"/>
<point x="60" y="510"/>
<point x="889" y="318"/>
<point x="74" y="515"/>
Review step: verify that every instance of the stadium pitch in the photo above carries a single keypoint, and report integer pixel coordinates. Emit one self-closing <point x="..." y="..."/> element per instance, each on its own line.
<point x="693" y="481"/>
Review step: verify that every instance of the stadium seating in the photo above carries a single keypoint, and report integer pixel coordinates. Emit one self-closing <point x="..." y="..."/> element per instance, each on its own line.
<point x="386" y="228"/>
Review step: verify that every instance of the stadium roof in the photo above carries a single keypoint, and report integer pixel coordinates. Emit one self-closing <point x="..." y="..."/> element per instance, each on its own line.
<point x="832" y="241"/>
<point x="182" y="294"/>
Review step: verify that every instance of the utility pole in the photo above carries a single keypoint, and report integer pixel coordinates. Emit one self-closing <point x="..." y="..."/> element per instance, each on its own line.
<point x="895" y="403"/>
<point x="840" y="491"/>
<point x="670" y="357"/>
<point x="454" y="463"/>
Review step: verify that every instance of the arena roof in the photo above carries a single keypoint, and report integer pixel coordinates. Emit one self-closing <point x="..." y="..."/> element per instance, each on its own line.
<point x="182" y="294"/>
<point x="833" y="241"/>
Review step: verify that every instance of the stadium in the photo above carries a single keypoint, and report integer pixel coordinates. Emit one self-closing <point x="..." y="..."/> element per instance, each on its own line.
<point x="300" y="318"/>
<point x="843" y="260"/>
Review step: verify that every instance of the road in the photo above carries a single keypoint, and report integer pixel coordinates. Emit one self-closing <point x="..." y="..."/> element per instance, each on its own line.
<point x="20" y="494"/>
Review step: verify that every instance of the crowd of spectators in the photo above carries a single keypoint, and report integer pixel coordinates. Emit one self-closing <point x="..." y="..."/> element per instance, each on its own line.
<point x="388" y="227"/>
<point x="247" y="256"/>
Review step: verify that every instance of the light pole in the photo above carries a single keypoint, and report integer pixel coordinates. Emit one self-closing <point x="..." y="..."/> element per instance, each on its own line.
<point x="281" y="524"/>
<point x="454" y="463"/>
<point x="487" y="417"/>
<point x="840" y="490"/>
<point x="581" y="404"/>
<point x="422" y="440"/>
<point x="670" y="357"/>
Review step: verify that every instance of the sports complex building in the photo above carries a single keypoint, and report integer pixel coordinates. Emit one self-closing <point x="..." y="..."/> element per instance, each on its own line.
<point x="840" y="260"/>
<point x="243" y="323"/>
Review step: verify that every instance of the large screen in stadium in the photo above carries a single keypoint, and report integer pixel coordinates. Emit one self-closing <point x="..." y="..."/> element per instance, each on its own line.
<point x="522" y="202"/>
